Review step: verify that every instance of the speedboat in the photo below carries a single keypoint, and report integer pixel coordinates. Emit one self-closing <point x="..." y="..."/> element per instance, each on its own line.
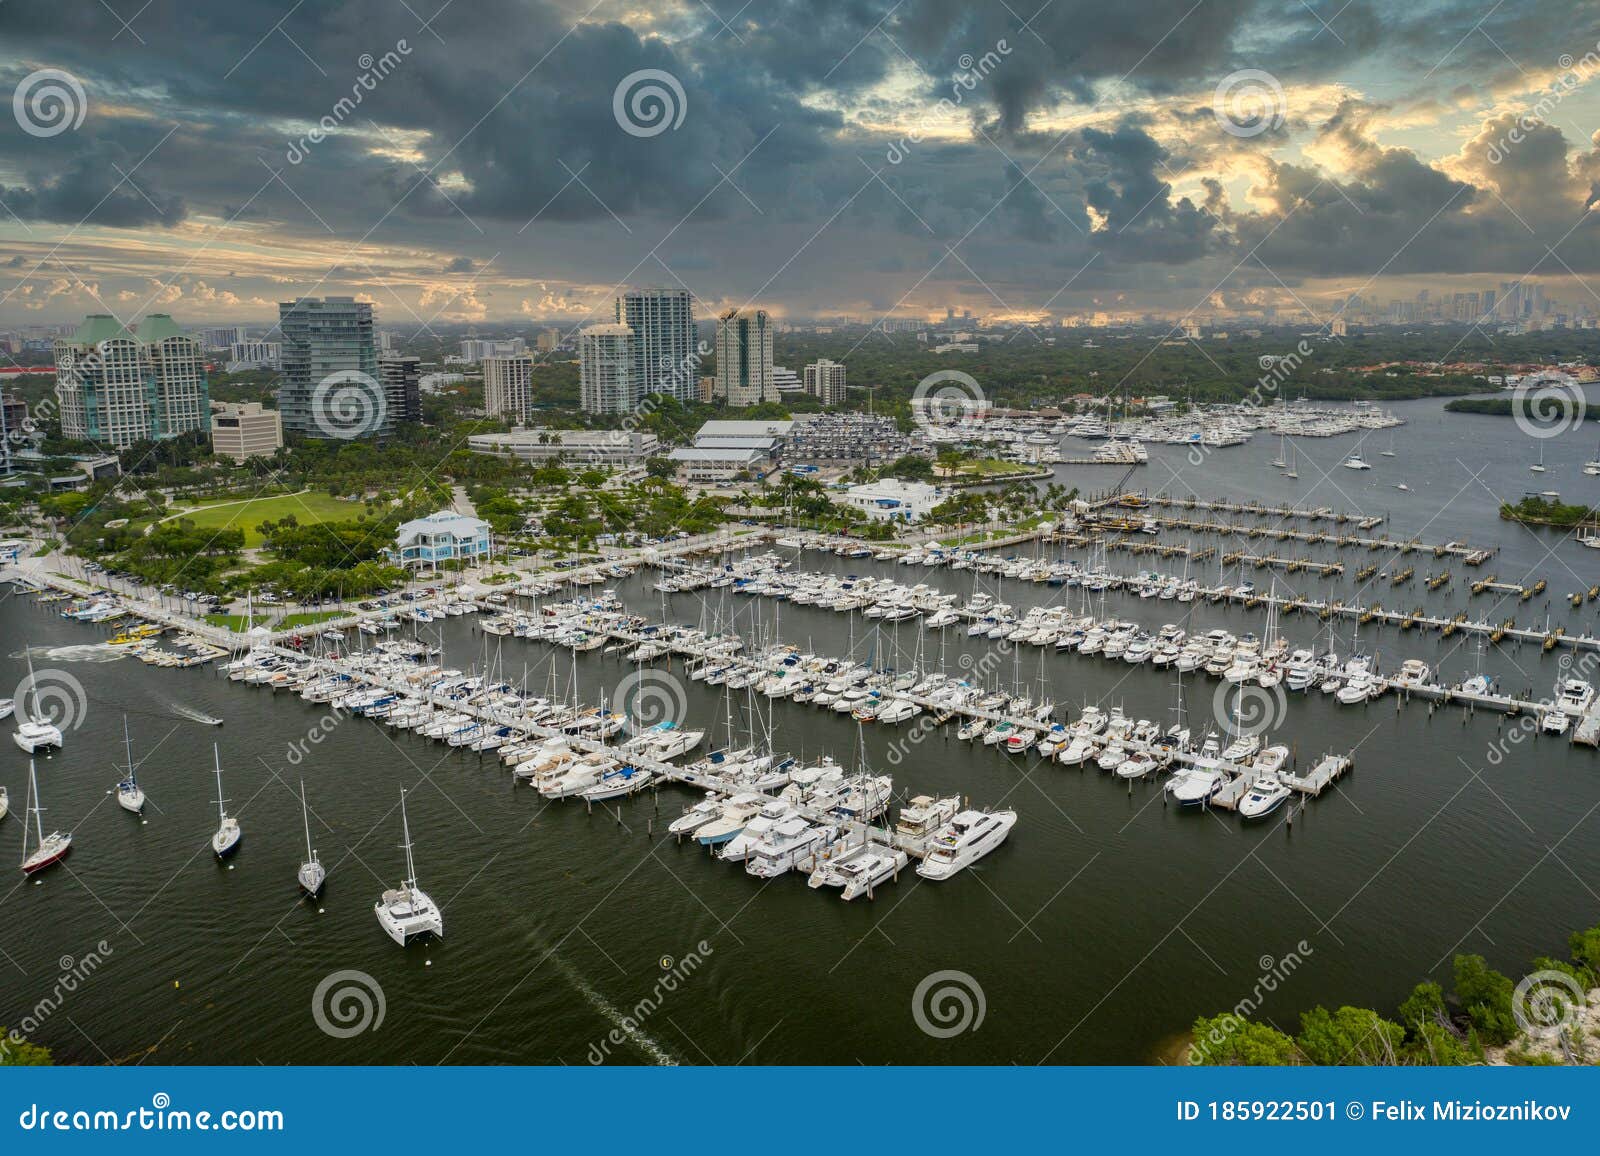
<point x="1265" y="796"/>
<point x="406" y="911"/>
<point x="964" y="840"/>
<point x="1356" y="462"/>
<point x="696" y="817"/>
<point x="735" y="815"/>
<point x="1194" y="786"/>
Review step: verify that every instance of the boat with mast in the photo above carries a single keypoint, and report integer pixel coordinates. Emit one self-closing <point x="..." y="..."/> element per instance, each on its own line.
<point x="47" y="849"/>
<point x="228" y="833"/>
<point x="130" y="796"/>
<point x="312" y="873"/>
<point x="34" y="731"/>
<point x="406" y="911"/>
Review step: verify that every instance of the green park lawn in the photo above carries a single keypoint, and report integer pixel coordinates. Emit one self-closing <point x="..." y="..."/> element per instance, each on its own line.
<point x="248" y="513"/>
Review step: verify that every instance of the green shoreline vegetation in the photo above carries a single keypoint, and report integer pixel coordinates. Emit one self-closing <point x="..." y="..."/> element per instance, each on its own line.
<point x="1536" y="510"/>
<point x="1429" y="1029"/>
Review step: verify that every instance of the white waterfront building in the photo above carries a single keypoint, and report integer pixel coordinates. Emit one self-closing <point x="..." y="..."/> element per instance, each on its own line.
<point x="606" y="369"/>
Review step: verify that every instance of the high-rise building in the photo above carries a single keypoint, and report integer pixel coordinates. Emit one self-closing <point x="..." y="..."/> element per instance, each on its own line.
<point x="401" y="376"/>
<point x="221" y="337"/>
<point x="508" y="386"/>
<point x="121" y="386"/>
<point x="606" y="361"/>
<point x="474" y="350"/>
<point x="245" y="430"/>
<point x="548" y="340"/>
<point x="664" y="356"/>
<point x="329" y="354"/>
<point x="253" y="355"/>
<point x="825" y="381"/>
<point x="744" y="357"/>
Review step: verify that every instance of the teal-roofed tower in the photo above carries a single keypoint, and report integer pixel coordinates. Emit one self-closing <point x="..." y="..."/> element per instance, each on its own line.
<point x="119" y="386"/>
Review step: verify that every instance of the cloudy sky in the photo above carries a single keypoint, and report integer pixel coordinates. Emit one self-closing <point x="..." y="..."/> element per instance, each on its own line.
<point x="462" y="160"/>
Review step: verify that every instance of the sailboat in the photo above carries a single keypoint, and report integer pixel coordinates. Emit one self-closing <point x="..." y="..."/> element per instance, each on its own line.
<point x="1388" y="453"/>
<point x="33" y="734"/>
<point x="407" y="911"/>
<point x="1590" y="467"/>
<point x="47" y="849"/>
<point x="228" y="833"/>
<point x="1279" y="461"/>
<point x="312" y="872"/>
<point x="130" y="796"/>
<point x="1294" y="463"/>
<point x="1538" y="466"/>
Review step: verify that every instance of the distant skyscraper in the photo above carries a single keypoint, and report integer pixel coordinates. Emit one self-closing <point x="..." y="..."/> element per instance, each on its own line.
<point x="119" y="386"/>
<point x="401" y="376"/>
<point x="744" y="357"/>
<point x="825" y="381"/>
<point x="606" y="360"/>
<point x="548" y="340"/>
<point x="328" y="354"/>
<point x="474" y="350"/>
<point x="220" y="337"/>
<point x="508" y="386"/>
<point x="664" y="355"/>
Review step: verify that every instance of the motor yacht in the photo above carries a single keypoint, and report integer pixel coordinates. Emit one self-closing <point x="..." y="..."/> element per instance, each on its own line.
<point x="968" y="837"/>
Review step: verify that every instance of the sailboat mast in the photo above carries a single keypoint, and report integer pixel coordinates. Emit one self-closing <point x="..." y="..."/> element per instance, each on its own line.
<point x="305" y="816"/>
<point x="216" y="756"/>
<point x="405" y="826"/>
<point x="38" y="823"/>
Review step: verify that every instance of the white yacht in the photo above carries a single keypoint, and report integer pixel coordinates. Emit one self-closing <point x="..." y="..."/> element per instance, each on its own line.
<point x="5" y="803"/>
<point x="34" y="732"/>
<point x="228" y="832"/>
<point x="407" y="911"/>
<point x="858" y="871"/>
<point x="1265" y="796"/>
<point x="312" y="874"/>
<point x="736" y="814"/>
<point x="1356" y="462"/>
<point x="47" y="849"/>
<point x="964" y="840"/>
<point x="696" y="816"/>
<point x="789" y="844"/>
<point x="1576" y="696"/>
<point x="1194" y="786"/>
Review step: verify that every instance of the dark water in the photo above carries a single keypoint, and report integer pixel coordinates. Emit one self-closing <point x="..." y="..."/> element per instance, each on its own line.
<point x="1104" y="926"/>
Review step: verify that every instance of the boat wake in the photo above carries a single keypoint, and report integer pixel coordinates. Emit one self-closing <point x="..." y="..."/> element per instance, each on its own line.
<point x="193" y="715"/>
<point x="86" y="652"/>
<point x="628" y="1026"/>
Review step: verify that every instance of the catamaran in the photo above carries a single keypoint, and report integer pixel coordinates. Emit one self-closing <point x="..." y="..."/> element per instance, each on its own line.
<point x="312" y="872"/>
<point x="34" y="731"/>
<point x="130" y="796"/>
<point x="406" y="911"/>
<point x="228" y="832"/>
<point x="47" y="849"/>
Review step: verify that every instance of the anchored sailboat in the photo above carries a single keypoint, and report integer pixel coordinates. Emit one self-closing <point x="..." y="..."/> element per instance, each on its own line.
<point x="406" y="911"/>
<point x="228" y="833"/>
<point x="130" y="796"/>
<point x="47" y="849"/>
<point x="312" y="873"/>
<point x="34" y="732"/>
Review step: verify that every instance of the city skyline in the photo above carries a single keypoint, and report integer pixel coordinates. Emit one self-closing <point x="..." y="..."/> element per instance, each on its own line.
<point x="906" y="156"/>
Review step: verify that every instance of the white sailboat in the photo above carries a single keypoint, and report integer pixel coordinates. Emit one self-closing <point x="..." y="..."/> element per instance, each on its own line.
<point x="228" y="833"/>
<point x="1356" y="462"/>
<point x="1294" y="464"/>
<point x="47" y="849"/>
<point x="1389" y="453"/>
<point x="130" y="796"/>
<point x="406" y="911"/>
<point x="34" y="734"/>
<point x="312" y="873"/>
<point x="1280" y="462"/>
<point x="1538" y="466"/>
<point x="1590" y="467"/>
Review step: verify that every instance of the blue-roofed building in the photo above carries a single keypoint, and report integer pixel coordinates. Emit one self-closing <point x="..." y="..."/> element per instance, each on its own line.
<point x="425" y="543"/>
